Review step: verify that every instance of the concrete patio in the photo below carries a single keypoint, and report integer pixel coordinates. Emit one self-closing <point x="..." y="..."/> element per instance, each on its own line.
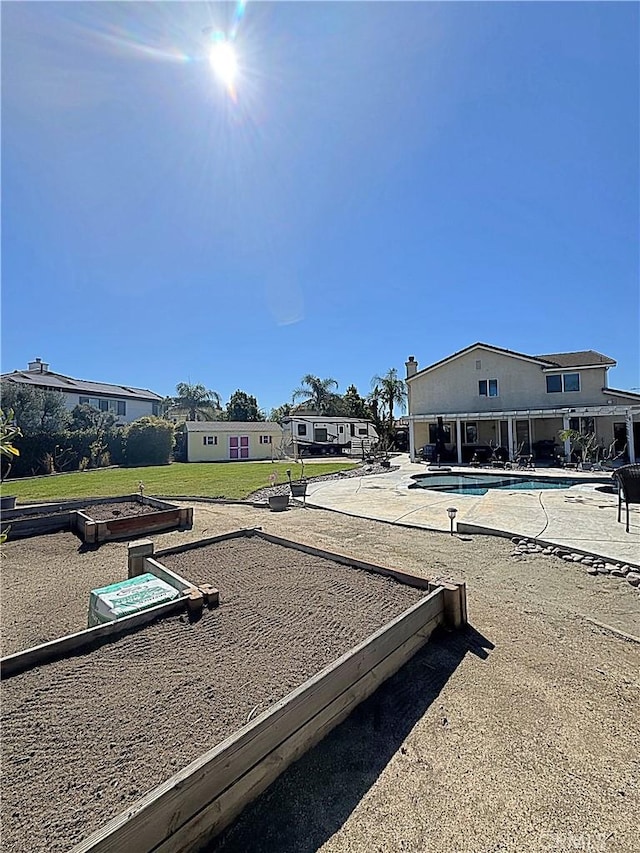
<point x="579" y="517"/>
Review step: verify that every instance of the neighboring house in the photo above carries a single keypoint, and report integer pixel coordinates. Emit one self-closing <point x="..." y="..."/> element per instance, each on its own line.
<point x="125" y="403"/>
<point x="223" y="441"/>
<point x="486" y="395"/>
<point x="318" y="434"/>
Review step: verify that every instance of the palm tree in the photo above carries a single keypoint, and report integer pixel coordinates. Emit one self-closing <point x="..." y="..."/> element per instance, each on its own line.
<point x="388" y="392"/>
<point x="317" y="392"/>
<point x="196" y="401"/>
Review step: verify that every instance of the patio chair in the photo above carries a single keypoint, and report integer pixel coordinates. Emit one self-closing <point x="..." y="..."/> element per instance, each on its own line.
<point x="628" y="478"/>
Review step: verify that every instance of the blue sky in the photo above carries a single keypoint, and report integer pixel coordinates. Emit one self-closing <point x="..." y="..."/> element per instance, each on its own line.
<point x="392" y="179"/>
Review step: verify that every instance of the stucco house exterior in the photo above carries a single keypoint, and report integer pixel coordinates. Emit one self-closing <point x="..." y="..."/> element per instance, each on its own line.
<point x="487" y="395"/>
<point x="228" y="441"/>
<point x="127" y="404"/>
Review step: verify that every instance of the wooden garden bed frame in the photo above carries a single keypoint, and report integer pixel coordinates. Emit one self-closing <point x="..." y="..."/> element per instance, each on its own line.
<point x="189" y="809"/>
<point x="68" y="515"/>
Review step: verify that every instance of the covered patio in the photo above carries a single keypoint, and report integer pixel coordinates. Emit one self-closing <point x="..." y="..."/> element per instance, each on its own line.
<point x="526" y="430"/>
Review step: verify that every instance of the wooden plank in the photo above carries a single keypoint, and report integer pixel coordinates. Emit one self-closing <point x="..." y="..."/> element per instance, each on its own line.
<point x="165" y="574"/>
<point x="210" y="540"/>
<point x="18" y="662"/>
<point x="403" y="577"/>
<point x="153" y="819"/>
<point x="225" y="808"/>
<point x="21" y="528"/>
<point x="151" y="521"/>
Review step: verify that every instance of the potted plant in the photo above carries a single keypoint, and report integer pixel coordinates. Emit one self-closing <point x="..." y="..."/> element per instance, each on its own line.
<point x="298" y="487"/>
<point x="8" y="433"/>
<point x="277" y="503"/>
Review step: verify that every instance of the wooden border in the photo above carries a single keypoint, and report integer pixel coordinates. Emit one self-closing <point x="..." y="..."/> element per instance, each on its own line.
<point x="19" y="661"/>
<point x="69" y="516"/>
<point x="197" y="802"/>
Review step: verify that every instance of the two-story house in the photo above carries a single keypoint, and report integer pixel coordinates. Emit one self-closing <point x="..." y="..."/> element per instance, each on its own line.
<point x="125" y="403"/>
<point x="486" y="395"/>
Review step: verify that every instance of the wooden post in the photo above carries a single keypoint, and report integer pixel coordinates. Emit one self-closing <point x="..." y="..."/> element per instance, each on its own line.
<point x="455" y="605"/>
<point x="136" y="552"/>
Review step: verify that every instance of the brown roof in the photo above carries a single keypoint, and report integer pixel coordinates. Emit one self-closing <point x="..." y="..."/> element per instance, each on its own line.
<point x="582" y="358"/>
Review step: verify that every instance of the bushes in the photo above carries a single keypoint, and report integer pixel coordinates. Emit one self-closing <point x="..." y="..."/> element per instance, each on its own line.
<point x="149" y="442"/>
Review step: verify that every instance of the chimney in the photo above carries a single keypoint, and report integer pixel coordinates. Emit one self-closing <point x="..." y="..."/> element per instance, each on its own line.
<point x="412" y="367"/>
<point x="38" y="365"/>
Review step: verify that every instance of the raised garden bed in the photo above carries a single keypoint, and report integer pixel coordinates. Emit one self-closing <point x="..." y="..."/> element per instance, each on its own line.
<point x="97" y="520"/>
<point x="300" y="638"/>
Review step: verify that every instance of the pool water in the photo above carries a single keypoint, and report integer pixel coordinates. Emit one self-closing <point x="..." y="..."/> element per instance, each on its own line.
<point x="479" y="484"/>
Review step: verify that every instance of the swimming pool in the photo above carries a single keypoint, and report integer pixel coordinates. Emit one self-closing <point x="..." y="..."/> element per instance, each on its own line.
<point x="479" y="484"/>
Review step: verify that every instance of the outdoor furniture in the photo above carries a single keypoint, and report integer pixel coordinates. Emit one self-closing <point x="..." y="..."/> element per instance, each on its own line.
<point x="526" y="461"/>
<point x="628" y="478"/>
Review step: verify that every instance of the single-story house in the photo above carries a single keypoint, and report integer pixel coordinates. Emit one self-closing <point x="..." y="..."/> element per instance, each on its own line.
<point x="487" y="395"/>
<point x="127" y="404"/>
<point x="224" y="441"/>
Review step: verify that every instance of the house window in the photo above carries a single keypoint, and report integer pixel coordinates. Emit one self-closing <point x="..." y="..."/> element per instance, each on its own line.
<point x="209" y="439"/>
<point x="488" y="387"/>
<point x="103" y="405"/>
<point x="433" y="433"/>
<point x="302" y="429"/>
<point x="122" y="407"/>
<point x="559" y="382"/>
<point x="155" y="409"/>
<point x="470" y="433"/>
<point x="585" y="426"/>
<point x="478" y="364"/>
<point x="265" y="439"/>
<point x="571" y="381"/>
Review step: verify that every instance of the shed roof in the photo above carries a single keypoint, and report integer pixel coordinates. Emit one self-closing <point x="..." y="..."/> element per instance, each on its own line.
<point x="232" y="426"/>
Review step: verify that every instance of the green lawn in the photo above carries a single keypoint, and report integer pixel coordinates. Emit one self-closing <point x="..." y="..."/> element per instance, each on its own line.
<point x="206" y="479"/>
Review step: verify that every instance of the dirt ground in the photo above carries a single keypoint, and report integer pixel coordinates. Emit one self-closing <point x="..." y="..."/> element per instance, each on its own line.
<point x="106" y="726"/>
<point x="519" y="735"/>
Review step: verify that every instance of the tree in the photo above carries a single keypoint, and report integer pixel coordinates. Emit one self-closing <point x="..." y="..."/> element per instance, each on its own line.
<point x="279" y="414"/>
<point x="354" y="406"/>
<point x="243" y="407"/>
<point x="35" y="409"/>
<point x="316" y="392"/>
<point x="197" y="402"/>
<point x="149" y="442"/>
<point x="88" y="417"/>
<point x="9" y="431"/>
<point x="388" y="392"/>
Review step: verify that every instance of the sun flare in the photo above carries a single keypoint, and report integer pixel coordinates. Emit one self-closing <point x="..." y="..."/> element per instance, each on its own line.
<point x="224" y="63"/>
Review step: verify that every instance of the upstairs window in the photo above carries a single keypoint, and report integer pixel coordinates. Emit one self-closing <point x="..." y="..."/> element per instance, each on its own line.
<point x="488" y="387"/>
<point x="571" y="381"/>
<point x="559" y="382"/>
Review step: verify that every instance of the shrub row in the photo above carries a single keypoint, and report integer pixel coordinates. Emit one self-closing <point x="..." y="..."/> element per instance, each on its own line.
<point x="148" y="441"/>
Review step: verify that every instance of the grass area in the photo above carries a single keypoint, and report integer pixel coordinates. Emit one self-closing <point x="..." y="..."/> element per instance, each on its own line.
<point x="204" y="479"/>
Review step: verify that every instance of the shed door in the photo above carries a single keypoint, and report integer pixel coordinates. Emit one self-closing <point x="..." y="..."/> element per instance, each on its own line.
<point x="238" y="447"/>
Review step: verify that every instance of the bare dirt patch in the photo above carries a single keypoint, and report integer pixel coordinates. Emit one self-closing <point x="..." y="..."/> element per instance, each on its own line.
<point x="526" y="740"/>
<point x="107" y="512"/>
<point x="46" y="581"/>
<point x="104" y="727"/>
